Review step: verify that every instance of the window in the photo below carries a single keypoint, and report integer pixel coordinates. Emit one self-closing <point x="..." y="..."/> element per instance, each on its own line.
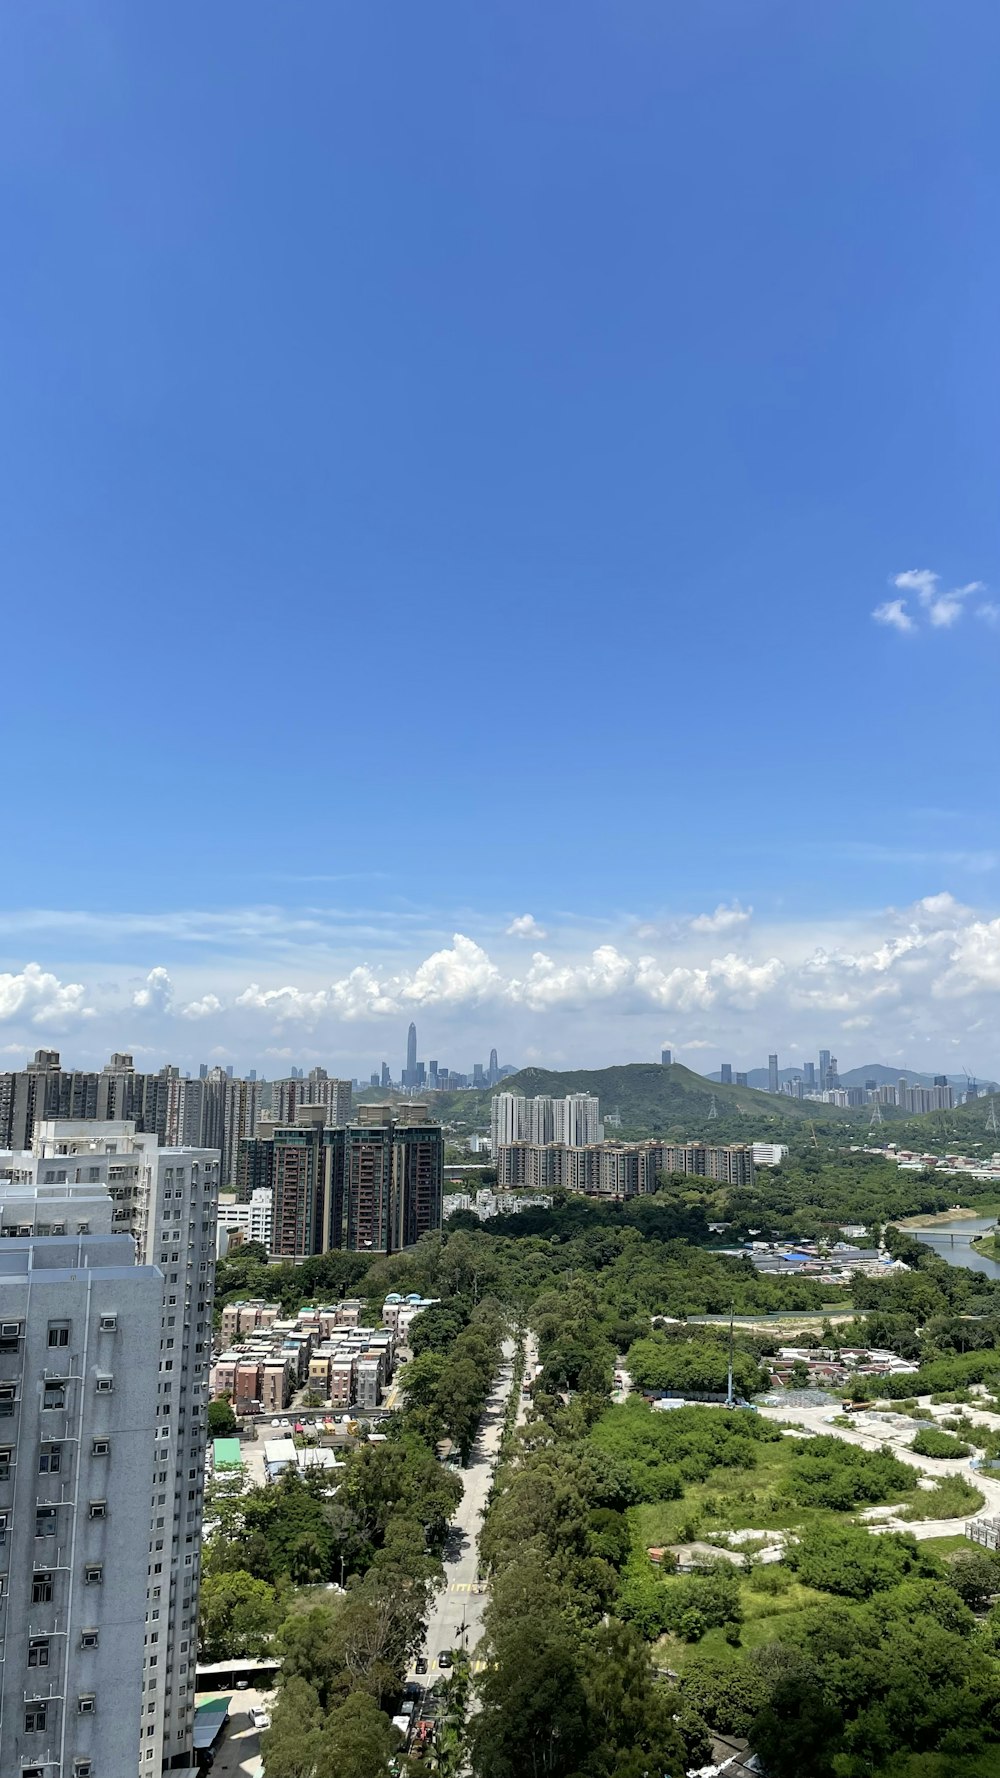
<point x="101" y="1447"/>
<point x="10" y="1342"/>
<point x="105" y="1385"/>
<point x="54" y="1395"/>
<point x="98" y="1509"/>
<point x="38" y="1651"/>
<point x="34" y="1719"/>
<point x="86" y="1704"/>
<point x="8" y="1396"/>
<point x="41" y="1589"/>
<point x="50" y="1460"/>
<point x="83" y="1228"/>
<point x="58" y="1333"/>
<point x="3" y="1529"/>
<point x="89" y="1638"/>
<point x="45" y="1521"/>
<point x="6" y="1458"/>
<point x="109" y="1323"/>
<point x="93" y="1574"/>
<point x="83" y="1768"/>
<point x="32" y="1772"/>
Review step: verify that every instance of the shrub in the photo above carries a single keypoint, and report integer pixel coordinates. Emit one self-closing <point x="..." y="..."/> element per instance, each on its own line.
<point x="827" y="1472"/>
<point x="930" y="1442"/>
<point x="848" y="1560"/>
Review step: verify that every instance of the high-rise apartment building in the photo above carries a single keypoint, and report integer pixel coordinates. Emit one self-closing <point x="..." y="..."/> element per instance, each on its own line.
<point x="288" y="1097"/>
<point x="666" y="1058"/>
<point x="166" y="1200"/>
<point x="371" y="1186"/>
<point x="741" y="1080"/>
<point x="772" y="1074"/>
<point x="726" y="1074"/>
<point x="79" y="1372"/>
<point x="574" y="1121"/>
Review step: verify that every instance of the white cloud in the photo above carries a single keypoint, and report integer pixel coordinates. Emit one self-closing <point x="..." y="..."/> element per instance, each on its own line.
<point x="894" y="613"/>
<point x="942" y="607"/>
<point x="724" y="919"/>
<point x="910" y="983"/>
<point x="203" y="1008"/>
<point x="525" y="926"/>
<point x="41" y="997"/>
<point x="156" y="993"/>
<point x="457" y="977"/>
<point x="920" y="581"/>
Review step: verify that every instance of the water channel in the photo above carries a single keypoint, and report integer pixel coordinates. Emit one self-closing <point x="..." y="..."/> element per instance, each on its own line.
<point x="953" y="1241"/>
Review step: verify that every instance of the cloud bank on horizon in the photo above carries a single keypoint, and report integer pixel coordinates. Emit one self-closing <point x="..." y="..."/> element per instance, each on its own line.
<point x="920" y="984"/>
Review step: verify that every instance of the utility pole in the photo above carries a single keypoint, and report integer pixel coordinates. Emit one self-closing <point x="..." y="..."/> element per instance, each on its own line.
<point x="730" y="1401"/>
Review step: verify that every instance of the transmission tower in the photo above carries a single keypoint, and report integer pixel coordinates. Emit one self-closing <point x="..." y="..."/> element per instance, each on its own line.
<point x="991" y="1121"/>
<point x="876" y="1119"/>
<point x="712" y="1110"/>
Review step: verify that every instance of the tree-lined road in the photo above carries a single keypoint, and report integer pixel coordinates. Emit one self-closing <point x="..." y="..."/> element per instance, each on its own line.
<point x="456" y="1616"/>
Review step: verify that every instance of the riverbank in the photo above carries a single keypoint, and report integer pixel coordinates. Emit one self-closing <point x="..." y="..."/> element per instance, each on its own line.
<point x="933" y="1219"/>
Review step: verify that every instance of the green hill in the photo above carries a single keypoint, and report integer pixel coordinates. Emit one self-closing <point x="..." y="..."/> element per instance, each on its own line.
<point x="657" y="1101"/>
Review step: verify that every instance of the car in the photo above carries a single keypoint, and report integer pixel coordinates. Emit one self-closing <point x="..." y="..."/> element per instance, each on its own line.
<point x="413" y="1690"/>
<point x="284" y="1423"/>
<point x="259" y="1719"/>
<point x="445" y="1660"/>
<point x="421" y="1663"/>
<point x="275" y="1422"/>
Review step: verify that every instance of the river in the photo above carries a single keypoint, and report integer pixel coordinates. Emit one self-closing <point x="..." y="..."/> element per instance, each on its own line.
<point x="953" y="1241"/>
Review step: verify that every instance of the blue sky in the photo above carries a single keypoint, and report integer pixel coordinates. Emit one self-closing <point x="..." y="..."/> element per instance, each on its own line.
<point x="451" y="458"/>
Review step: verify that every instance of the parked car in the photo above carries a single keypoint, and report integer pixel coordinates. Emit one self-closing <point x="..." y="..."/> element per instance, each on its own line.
<point x="259" y="1719"/>
<point x="445" y="1660"/>
<point x="421" y="1663"/>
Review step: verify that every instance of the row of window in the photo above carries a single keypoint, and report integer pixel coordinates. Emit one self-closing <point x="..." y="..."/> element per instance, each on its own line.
<point x="43" y="1582"/>
<point x="82" y="1768"/>
<point x="36" y="1714"/>
<point x="53" y="1393"/>
<point x="45" y="1517"/>
<point x="59" y="1332"/>
<point x="50" y="1457"/>
<point x="39" y="1646"/>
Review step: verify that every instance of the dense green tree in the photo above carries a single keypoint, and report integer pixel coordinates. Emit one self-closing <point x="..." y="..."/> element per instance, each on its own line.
<point x="236" y="1616"/>
<point x="221" y="1420"/>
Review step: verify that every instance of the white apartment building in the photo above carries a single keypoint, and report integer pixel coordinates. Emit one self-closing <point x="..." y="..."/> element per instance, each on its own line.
<point x="253" y="1220"/>
<point x="78" y="1380"/>
<point x="574" y="1121"/>
<point x="166" y="1199"/>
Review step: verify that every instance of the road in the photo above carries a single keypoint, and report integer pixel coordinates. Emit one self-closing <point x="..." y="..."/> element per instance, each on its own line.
<point x="238" y="1755"/>
<point x="456" y="1616"/>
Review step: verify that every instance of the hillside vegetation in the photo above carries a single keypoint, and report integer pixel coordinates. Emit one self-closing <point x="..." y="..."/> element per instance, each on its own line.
<point x="658" y="1101"/>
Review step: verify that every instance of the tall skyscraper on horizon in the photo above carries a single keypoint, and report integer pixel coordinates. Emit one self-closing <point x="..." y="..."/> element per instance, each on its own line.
<point x="824" y="1070"/>
<point x="726" y="1074"/>
<point x="666" y="1058"/>
<point x="772" y="1074"/>
<point x="410" y="1071"/>
<point x="494" y="1071"/>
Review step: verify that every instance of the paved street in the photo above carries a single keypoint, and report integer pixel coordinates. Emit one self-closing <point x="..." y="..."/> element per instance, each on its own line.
<point x="456" y="1615"/>
<point x="238" y="1755"/>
